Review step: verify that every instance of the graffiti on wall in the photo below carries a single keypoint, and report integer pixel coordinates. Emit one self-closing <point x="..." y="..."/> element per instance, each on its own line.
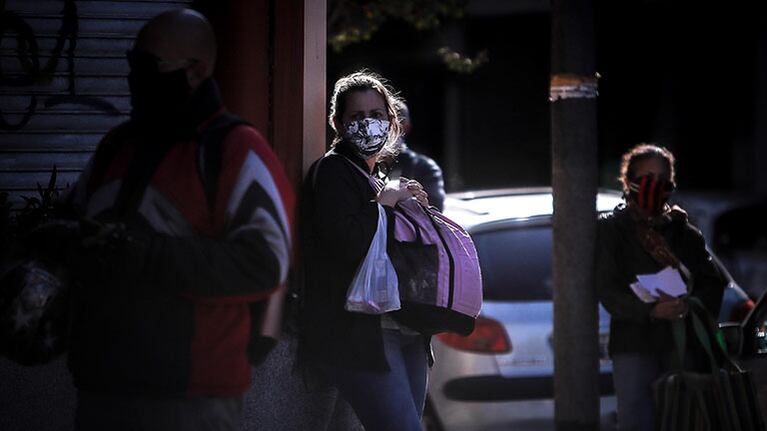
<point x="37" y="74"/>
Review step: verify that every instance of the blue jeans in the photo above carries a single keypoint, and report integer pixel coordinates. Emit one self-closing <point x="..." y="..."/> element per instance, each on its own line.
<point x="633" y="376"/>
<point x="389" y="400"/>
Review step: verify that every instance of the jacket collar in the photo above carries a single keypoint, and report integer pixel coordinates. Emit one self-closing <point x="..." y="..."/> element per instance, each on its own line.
<point x="628" y="215"/>
<point x="205" y="104"/>
<point x="344" y="149"/>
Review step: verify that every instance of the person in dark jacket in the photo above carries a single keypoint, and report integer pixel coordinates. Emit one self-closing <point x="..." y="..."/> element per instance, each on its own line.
<point x="379" y="366"/>
<point x="413" y="165"/>
<point x="643" y="236"/>
<point x="189" y="226"/>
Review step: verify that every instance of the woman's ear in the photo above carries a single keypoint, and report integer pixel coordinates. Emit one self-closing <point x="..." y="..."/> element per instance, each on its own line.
<point x="625" y="184"/>
<point x="338" y="126"/>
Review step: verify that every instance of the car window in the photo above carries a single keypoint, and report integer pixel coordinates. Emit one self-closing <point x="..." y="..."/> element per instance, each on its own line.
<point x="740" y="237"/>
<point x="749" y="267"/>
<point x="516" y="263"/>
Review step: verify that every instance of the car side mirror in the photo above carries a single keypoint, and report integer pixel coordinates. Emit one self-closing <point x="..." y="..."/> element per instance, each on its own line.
<point x="733" y="337"/>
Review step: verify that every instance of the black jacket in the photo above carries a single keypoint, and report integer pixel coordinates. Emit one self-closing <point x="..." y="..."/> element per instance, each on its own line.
<point x="416" y="166"/>
<point x="620" y="257"/>
<point x="339" y="219"/>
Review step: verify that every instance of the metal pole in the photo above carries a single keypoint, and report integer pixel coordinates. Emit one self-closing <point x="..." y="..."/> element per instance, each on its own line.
<point x="575" y="181"/>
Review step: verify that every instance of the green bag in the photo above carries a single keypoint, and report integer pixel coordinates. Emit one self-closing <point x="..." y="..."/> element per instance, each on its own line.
<point x="722" y="399"/>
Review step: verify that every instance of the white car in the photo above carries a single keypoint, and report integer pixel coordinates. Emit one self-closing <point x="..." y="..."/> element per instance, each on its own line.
<point x="501" y="376"/>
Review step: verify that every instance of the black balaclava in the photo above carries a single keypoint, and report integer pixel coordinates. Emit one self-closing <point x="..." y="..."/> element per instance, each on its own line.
<point x="156" y="98"/>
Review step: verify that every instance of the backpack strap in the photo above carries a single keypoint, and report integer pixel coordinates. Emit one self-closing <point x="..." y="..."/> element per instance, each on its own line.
<point x="142" y="167"/>
<point x="210" y="155"/>
<point x="148" y="157"/>
<point x="210" y="152"/>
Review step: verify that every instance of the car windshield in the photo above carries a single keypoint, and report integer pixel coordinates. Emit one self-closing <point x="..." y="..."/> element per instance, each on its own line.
<point x="516" y="263"/>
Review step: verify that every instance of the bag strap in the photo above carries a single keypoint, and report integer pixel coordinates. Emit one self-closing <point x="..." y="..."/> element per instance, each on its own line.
<point x="416" y="226"/>
<point x="148" y="157"/>
<point x="702" y="336"/>
<point x="704" y="333"/>
<point x="141" y="169"/>
<point x="210" y="152"/>
<point x="679" y="332"/>
<point x="375" y="183"/>
<point x="711" y="332"/>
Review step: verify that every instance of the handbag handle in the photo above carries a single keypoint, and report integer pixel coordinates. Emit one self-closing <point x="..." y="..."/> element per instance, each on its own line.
<point x="704" y="340"/>
<point x="709" y="330"/>
<point x="374" y="184"/>
<point x="704" y="333"/>
<point x="416" y="226"/>
<point x="679" y="332"/>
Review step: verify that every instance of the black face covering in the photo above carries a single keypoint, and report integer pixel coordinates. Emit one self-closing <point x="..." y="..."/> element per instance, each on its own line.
<point x="651" y="193"/>
<point x="157" y="98"/>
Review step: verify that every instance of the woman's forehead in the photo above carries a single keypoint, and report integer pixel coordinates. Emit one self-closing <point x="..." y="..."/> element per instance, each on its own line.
<point x="651" y="165"/>
<point x="364" y="100"/>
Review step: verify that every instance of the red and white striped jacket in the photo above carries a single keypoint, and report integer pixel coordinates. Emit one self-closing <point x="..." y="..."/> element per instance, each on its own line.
<point x="172" y="316"/>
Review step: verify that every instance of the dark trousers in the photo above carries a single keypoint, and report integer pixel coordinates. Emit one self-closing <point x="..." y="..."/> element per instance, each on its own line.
<point x="96" y="412"/>
<point x="391" y="400"/>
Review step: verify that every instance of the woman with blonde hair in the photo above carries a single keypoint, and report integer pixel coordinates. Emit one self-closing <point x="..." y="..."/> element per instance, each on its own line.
<point x="379" y="366"/>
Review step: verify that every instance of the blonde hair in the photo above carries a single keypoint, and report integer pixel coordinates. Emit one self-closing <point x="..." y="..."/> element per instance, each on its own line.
<point x="364" y="80"/>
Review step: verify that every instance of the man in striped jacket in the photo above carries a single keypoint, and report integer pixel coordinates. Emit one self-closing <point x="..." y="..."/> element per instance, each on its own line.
<point x="190" y="223"/>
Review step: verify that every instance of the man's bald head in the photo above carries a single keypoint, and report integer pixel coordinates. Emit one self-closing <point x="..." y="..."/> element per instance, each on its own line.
<point x="179" y="35"/>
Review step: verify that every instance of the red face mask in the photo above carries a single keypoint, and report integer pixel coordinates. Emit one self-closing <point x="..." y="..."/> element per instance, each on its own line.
<point x="651" y="193"/>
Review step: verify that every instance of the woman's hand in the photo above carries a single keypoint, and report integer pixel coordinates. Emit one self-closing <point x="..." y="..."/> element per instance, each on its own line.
<point x="669" y="308"/>
<point x="417" y="191"/>
<point x="399" y="191"/>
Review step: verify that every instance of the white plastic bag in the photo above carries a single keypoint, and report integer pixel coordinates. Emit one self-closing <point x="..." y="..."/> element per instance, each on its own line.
<point x="374" y="288"/>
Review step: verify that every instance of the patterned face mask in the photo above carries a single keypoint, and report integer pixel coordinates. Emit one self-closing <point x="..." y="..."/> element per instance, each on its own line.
<point x="367" y="135"/>
<point x="651" y="193"/>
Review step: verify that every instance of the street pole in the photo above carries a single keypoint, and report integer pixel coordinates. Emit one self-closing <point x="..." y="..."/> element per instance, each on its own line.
<point x="575" y="181"/>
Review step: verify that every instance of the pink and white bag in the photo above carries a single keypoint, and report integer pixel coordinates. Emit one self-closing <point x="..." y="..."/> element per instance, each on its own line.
<point x="440" y="282"/>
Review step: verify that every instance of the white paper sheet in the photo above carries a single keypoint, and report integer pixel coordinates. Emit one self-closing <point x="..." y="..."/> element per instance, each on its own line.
<point x="668" y="280"/>
<point x="642" y="293"/>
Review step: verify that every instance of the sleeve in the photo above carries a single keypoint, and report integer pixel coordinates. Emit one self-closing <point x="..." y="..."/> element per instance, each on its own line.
<point x="612" y="289"/>
<point x="250" y="256"/>
<point x="345" y="217"/>
<point x="708" y="281"/>
<point x="231" y="270"/>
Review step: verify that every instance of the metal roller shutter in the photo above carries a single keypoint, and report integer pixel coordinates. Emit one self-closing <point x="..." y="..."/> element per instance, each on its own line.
<point x="62" y="83"/>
